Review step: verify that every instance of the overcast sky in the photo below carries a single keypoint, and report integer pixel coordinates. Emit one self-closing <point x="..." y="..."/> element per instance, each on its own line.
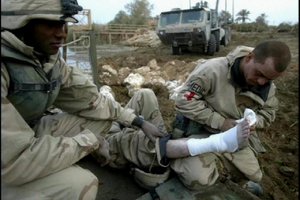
<point x="277" y="11"/>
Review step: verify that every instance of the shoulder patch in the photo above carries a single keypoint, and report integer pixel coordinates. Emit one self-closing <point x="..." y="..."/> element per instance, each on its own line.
<point x="196" y="88"/>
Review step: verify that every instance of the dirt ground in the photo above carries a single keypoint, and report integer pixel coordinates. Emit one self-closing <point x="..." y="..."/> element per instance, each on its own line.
<point x="280" y="163"/>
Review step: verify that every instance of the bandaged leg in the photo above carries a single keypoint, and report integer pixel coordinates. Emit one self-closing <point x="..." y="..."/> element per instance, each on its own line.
<point x="228" y="141"/>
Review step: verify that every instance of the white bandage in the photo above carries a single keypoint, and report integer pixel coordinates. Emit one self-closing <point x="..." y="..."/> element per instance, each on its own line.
<point x="250" y="116"/>
<point x="222" y="142"/>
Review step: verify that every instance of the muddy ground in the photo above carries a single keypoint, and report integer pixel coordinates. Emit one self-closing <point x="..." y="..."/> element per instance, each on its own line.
<point x="280" y="163"/>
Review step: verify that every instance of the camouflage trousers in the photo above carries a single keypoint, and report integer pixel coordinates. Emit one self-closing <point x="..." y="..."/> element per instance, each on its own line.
<point x="127" y="146"/>
<point x="206" y="169"/>
<point x="130" y="145"/>
<point x="70" y="183"/>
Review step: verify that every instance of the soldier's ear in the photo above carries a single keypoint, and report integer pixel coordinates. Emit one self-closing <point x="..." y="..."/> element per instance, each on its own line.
<point x="249" y="56"/>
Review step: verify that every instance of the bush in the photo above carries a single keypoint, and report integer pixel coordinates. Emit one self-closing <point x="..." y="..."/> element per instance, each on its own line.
<point x="284" y="27"/>
<point x="250" y="27"/>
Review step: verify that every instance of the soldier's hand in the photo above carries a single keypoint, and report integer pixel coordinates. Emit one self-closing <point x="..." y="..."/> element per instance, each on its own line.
<point x="102" y="153"/>
<point x="228" y="124"/>
<point x="151" y="131"/>
<point x="252" y="128"/>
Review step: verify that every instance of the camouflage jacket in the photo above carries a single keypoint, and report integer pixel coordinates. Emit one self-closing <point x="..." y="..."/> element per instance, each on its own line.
<point x="209" y="97"/>
<point x="77" y="95"/>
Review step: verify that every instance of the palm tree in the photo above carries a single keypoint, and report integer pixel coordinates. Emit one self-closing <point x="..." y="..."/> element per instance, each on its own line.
<point x="243" y="15"/>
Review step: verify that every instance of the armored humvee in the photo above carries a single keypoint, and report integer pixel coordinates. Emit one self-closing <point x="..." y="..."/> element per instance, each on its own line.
<point x="193" y="29"/>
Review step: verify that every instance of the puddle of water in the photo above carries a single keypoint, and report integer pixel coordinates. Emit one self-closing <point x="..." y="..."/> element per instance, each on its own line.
<point x="79" y="57"/>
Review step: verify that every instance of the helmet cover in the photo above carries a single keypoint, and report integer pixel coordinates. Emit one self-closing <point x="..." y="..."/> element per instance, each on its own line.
<point x="17" y="13"/>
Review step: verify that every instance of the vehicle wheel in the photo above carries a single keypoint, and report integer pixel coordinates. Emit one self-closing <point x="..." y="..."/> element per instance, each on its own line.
<point x="176" y="50"/>
<point x="225" y="40"/>
<point x="211" y="48"/>
<point x="217" y="35"/>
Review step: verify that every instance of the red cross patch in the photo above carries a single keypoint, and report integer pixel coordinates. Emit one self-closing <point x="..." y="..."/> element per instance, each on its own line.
<point x="189" y="96"/>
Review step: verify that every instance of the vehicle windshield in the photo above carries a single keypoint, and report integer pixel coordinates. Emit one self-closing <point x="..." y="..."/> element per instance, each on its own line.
<point x="187" y="17"/>
<point x="169" y="19"/>
<point x="191" y="16"/>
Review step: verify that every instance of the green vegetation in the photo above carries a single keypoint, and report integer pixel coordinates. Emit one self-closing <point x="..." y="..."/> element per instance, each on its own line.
<point x="138" y="13"/>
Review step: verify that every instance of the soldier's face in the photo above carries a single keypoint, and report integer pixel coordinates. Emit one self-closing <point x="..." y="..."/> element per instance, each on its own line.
<point x="259" y="74"/>
<point x="46" y="36"/>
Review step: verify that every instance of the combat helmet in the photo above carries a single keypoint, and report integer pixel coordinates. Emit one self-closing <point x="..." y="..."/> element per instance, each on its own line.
<point x="17" y="13"/>
<point x="149" y="180"/>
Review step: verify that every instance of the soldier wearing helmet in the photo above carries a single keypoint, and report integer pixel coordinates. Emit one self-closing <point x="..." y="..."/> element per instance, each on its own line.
<point x="40" y="150"/>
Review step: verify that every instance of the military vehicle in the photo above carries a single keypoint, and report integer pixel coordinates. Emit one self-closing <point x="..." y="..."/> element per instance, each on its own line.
<point x="193" y="29"/>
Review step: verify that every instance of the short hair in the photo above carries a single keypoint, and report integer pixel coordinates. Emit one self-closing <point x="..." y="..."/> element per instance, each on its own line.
<point x="277" y="50"/>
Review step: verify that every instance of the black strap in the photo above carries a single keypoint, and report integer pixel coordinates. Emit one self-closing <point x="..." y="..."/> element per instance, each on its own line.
<point x="163" y="150"/>
<point x="138" y="121"/>
<point x="46" y="87"/>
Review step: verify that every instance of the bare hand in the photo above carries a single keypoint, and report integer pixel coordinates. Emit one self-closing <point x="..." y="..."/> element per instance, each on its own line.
<point x="228" y="124"/>
<point x="151" y="131"/>
<point x="252" y="128"/>
<point x="102" y="153"/>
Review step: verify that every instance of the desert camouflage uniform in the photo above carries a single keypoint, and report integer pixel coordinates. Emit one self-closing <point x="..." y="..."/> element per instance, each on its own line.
<point x="130" y="146"/>
<point x="208" y="98"/>
<point x="38" y="153"/>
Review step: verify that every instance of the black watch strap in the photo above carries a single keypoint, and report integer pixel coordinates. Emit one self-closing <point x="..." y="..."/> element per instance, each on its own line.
<point x="138" y="121"/>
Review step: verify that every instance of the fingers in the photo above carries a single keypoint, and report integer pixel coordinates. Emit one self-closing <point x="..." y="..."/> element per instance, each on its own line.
<point x="102" y="153"/>
<point x="151" y="131"/>
<point x="103" y="158"/>
<point x="105" y="161"/>
<point x="252" y="128"/>
<point x="151" y="137"/>
<point x="159" y="134"/>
